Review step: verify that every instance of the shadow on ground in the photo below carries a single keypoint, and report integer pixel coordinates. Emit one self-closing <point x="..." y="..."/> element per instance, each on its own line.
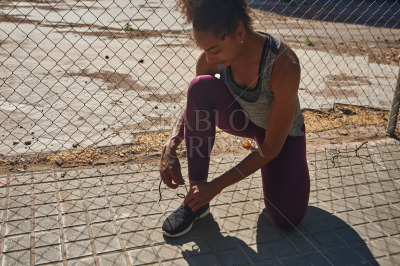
<point x="376" y="13"/>
<point x="321" y="239"/>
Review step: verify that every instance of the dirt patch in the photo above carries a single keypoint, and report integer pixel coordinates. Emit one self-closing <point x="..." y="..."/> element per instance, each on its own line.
<point x="149" y="123"/>
<point x="116" y="33"/>
<point x="342" y="116"/>
<point x="16" y="19"/>
<point x="44" y="5"/>
<point x="342" y="86"/>
<point x="337" y="92"/>
<point x="9" y="4"/>
<point x="40" y="1"/>
<point x="378" y="49"/>
<point x="114" y="80"/>
<point x="347" y="134"/>
<point x="74" y="26"/>
<point x="342" y="124"/>
<point x="93" y="30"/>
<point x="346" y="80"/>
<point x="382" y="55"/>
<point x="165" y="98"/>
<point x="150" y="153"/>
<point x="188" y="44"/>
<point x="3" y="42"/>
<point x="145" y="149"/>
<point x="150" y="6"/>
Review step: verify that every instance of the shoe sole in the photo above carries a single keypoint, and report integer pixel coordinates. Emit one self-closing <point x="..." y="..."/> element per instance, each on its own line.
<point x="189" y="227"/>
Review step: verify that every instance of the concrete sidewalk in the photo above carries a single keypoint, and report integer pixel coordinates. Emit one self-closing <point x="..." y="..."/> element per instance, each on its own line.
<point x="111" y="216"/>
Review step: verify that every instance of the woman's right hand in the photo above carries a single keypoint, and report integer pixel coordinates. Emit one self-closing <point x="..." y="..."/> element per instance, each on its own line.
<point x="170" y="168"/>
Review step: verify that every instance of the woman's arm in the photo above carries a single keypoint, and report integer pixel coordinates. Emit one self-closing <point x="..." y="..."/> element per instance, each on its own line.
<point x="284" y="84"/>
<point x="170" y="168"/>
<point x="205" y="68"/>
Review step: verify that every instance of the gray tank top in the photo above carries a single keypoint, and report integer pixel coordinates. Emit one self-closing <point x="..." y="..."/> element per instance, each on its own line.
<point x="256" y="102"/>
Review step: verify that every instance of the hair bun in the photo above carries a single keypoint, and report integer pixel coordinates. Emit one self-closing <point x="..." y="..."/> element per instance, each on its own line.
<point x="218" y="16"/>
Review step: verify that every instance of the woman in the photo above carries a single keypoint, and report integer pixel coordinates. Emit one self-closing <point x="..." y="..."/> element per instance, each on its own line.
<point x="255" y="97"/>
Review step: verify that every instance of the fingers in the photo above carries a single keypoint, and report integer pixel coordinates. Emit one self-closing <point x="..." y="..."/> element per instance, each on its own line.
<point x="189" y="197"/>
<point x="178" y="178"/>
<point x="193" y="202"/>
<point x="168" y="181"/>
<point x="172" y="176"/>
<point x="196" y="206"/>
<point x="197" y="197"/>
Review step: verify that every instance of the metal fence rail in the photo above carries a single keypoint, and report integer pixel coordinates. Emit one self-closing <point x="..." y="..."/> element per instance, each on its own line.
<point x="98" y="73"/>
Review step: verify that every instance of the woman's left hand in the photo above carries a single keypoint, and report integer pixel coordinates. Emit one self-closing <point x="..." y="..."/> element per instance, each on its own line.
<point x="199" y="195"/>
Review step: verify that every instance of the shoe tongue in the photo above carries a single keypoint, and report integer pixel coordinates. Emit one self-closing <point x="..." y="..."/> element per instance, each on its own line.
<point x="185" y="208"/>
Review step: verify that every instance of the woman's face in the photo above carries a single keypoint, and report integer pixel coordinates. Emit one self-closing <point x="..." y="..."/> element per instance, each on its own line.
<point x="222" y="49"/>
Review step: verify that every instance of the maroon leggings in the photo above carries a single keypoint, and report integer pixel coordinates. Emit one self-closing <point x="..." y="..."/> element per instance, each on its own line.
<point x="286" y="181"/>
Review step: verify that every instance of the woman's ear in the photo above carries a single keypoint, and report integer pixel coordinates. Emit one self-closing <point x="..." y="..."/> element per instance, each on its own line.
<point x="240" y="33"/>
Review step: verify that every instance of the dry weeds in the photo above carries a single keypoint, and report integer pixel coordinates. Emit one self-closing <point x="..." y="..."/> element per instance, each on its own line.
<point x="147" y="146"/>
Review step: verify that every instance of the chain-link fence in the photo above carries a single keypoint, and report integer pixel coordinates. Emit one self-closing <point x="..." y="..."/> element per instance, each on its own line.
<point x="90" y="74"/>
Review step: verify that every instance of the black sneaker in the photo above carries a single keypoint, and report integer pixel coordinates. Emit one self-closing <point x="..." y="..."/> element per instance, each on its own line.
<point x="181" y="221"/>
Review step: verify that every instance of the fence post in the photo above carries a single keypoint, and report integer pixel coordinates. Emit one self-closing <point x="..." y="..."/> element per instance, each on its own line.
<point x="394" y="112"/>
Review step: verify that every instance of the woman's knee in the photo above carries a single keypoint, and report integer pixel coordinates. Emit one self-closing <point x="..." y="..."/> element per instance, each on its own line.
<point x="287" y="222"/>
<point x="286" y="218"/>
<point x="202" y="85"/>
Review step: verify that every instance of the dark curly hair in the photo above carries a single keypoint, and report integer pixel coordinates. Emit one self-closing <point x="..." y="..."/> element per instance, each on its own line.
<point x="218" y="16"/>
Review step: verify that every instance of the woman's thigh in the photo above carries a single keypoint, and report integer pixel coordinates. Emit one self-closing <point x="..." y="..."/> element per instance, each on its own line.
<point x="210" y="104"/>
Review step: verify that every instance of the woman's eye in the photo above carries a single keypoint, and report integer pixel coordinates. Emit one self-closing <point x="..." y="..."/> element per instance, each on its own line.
<point x="216" y="52"/>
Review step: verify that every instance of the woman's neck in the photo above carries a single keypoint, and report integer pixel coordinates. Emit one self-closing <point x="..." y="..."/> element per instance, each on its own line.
<point x="251" y="52"/>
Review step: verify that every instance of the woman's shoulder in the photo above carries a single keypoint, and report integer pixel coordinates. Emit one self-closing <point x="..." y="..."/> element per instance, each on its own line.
<point x="285" y="70"/>
<point x="273" y="42"/>
<point x="286" y="58"/>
